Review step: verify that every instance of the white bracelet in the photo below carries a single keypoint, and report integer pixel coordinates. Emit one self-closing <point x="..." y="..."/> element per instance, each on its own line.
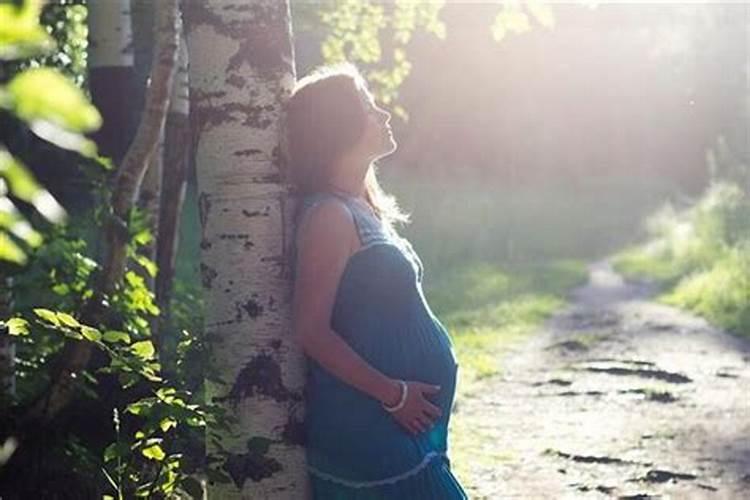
<point x="402" y="401"/>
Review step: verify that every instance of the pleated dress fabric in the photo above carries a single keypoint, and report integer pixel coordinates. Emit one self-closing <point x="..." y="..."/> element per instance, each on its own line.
<point x="355" y="449"/>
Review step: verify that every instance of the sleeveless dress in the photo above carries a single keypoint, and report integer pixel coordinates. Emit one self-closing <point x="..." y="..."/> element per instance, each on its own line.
<point x="355" y="449"/>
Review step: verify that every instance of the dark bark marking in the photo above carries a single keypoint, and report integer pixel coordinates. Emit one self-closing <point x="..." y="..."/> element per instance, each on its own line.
<point x="252" y="308"/>
<point x="236" y="81"/>
<point x="255" y="213"/>
<point x="204" y="206"/>
<point x="212" y="115"/>
<point x="248" y="152"/>
<point x="294" y="431"/>
<point x="254" y="464"/>
<point x="265" y="44"/>
<point x="208" y="274"/>
<point x="269" y="178"/>
<point x="260" y="376"/>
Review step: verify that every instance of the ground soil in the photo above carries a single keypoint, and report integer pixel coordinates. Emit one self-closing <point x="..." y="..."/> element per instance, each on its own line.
<point x="616" y="396"/>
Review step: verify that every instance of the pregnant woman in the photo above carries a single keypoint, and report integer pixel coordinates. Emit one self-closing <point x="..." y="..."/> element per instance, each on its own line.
<point x="381" y="368"/>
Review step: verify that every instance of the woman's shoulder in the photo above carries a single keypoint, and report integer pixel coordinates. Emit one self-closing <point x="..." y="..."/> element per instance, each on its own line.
<point x="318" y="202"/>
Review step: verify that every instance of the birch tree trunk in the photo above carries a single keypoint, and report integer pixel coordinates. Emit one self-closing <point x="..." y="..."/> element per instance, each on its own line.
<point x="111" y="74"/>
<point x="241" y="72"/>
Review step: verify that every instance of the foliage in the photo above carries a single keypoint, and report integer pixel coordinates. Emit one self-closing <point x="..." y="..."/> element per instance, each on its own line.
<point x="158" y="424"/>
<point x="376" y="34"/>
<point x="701" y="254"/>
<point x="354" y="30"/>
<point x="54" y="108"/>
<point x="154" y="424"/>
<point x="516" y="17"/>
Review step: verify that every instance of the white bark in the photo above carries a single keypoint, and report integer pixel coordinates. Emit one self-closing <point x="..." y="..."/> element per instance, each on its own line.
<point x="180" y="102"/>
<point x="110" y="33"/>
<point x="241" y="71"/>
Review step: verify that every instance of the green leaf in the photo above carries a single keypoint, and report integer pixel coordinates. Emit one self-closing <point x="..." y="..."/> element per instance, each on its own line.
<point x="48" y="316"/>
<point x="90" y="333"/>
<point x="167" y="423"/>
<point x="143" y="349"/>
<point x="10" y="251"/>
<point x="17" y="326"/>
<point x="154" y="452"/>
<point x="148" y="264"/>
<point x="43" y="94"/>
<point x="68" y="320"/>
<point x="141" y="407"/>
<point x="23" y="186"/>
<point x="116" y="336"/>
<point x="20" y="32"/>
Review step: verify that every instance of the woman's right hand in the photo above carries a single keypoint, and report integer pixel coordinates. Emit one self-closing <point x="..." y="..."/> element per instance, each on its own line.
<point x="418" y="414"/>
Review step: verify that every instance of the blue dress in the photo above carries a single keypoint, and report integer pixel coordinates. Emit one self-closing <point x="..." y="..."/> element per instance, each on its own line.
<point x="355" y="449"/>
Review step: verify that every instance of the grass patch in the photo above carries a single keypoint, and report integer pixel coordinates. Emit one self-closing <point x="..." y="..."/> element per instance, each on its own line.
<point x="701" y="257"/>
<point x="488" y="307"/>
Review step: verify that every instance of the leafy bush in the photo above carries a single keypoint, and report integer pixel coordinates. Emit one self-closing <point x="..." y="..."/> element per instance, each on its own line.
<point x="701" y="255"/>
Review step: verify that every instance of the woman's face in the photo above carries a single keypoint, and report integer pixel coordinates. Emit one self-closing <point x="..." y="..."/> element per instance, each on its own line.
<point x="377" y="138"/>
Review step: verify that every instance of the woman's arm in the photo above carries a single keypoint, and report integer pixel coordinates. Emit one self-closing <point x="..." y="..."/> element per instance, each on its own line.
<point x="324" y="243"/>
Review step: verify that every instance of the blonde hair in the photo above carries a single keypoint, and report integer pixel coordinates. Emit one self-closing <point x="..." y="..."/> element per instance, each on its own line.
<point x="324" y="117"/>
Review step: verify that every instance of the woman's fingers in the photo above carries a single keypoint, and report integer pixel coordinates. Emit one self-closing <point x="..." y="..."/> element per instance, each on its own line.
<point x="432" y="410"/>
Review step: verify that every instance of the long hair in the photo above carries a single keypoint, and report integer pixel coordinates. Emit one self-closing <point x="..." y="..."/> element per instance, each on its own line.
<point x="324" y="117"/>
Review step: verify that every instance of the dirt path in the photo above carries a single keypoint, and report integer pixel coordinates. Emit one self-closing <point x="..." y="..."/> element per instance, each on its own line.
<point x="616" y="397"/>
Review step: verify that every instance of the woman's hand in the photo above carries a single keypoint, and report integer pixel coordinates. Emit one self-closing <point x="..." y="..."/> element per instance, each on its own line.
<point x="418" y="414"/>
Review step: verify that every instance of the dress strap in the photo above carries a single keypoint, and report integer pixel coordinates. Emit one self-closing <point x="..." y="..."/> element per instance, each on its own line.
<point x="370" y="229"/>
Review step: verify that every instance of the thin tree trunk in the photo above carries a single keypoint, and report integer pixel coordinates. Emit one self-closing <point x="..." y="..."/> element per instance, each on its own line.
<point x="76" y="354"/>
<point x="111" y="74"/>
<point x="7" y="346"/>
<point x="241" y="72"/>
<point x="174" y="185"/>
<point x="149" y="194"/>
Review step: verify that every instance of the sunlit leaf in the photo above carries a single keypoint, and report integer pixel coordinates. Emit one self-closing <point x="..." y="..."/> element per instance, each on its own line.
<point x="90" y="333"/>
<point x="68" y="320"/>
<point x="60" y="137"/>
<point x="167" y="423"/>
<point x="542" y="12"/>
<point x="47" y="315"/>
<point x="17" y="326"/>
<point x="148" y="264"/>
<point x="143" y="349"/>
<point x="141" y="407"/>
<point x="20" y="33"/>
<point x="10" y="251"/>
<point x="154" y="452"/>
<point x="12" y="221"/>
<point x="44" y="95"/>
<point x="23" y="185"/>
<point x="113" y="336"/>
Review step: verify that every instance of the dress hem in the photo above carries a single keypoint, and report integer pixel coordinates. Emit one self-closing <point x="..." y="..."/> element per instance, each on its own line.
<point x="389" y="480"/>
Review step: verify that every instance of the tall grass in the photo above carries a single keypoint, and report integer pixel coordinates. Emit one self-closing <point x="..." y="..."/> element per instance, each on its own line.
<point x="701" y="255"/>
